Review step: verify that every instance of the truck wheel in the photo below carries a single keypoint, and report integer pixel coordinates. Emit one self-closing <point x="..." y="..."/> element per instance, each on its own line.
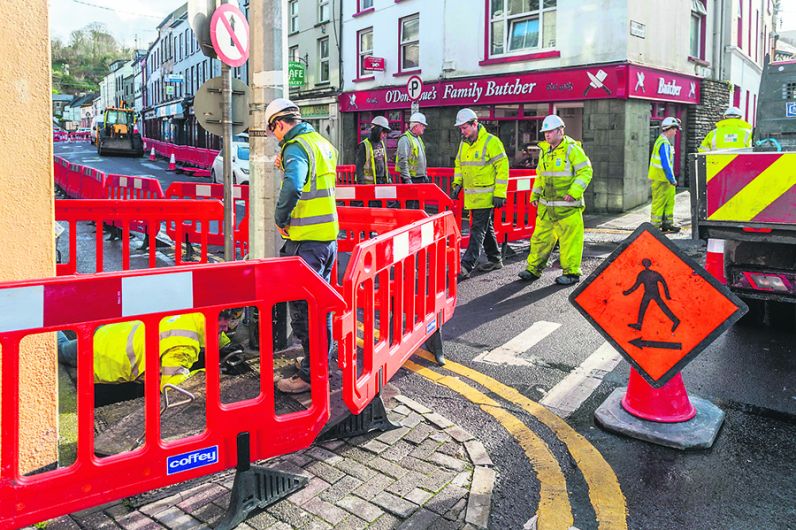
<point x="782" y="315"/>
<point x="756" y="315"/>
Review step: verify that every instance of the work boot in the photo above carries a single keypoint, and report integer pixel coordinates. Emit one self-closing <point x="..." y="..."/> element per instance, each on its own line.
<point x="464" y="274"/>
<point x="440" y="358"/>
<point x="670" y="228"/>
<point x="568" y="279"/>
<point x="293" y="385"/>
<point x="490" y="266"/>
<point x="527" y="276"/>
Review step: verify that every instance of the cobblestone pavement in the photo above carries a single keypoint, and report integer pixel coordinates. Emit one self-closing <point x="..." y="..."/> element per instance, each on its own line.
<point x="429" y="473"/>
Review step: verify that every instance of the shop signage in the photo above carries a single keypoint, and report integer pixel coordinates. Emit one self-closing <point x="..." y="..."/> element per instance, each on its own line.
<point x="296" y="74"/>
<point x="315" y="111"/>
<point x="637" y="29"/>
<point x="647" y="83"/>
<point x="173" y="78"/>
<point x="596" y="82"/>
<point x="373" y="64"/>
<point x="169" y="90"/>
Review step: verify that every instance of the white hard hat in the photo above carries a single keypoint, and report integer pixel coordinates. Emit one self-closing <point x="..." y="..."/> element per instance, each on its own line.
<point x="418" y="117"/>
<point x="382" y="122"/>
<point x="280" y="107"/>
<point x="670" y="122"/>
<point x="464" y="116"/>
<point x="733" y="111"/>
<point x="551" y="123"/>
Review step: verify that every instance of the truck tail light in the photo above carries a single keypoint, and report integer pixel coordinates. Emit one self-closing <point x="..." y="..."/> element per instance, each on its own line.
<point x="766" y="281"/>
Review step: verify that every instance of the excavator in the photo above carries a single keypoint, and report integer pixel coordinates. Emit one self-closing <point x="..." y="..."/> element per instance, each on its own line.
<point x="118" y="135"/>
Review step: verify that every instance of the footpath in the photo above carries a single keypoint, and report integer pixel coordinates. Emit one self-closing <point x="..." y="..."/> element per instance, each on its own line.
<point x="429" y="473"/>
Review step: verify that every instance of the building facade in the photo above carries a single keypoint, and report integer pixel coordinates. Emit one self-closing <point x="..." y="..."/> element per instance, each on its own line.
<point x="314" y="43"/>
<point x="612" y="80"/>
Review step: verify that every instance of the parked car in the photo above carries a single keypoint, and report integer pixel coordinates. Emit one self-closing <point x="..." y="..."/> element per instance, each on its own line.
<point x="240" y="162"/>
<point x="96" y="124"/>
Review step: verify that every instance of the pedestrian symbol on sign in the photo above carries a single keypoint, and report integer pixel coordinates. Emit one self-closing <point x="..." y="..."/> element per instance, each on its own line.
<point x="650" y="280"/>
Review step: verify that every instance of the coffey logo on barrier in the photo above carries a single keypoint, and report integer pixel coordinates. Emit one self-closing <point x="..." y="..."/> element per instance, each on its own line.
<point x="192" y="460"/>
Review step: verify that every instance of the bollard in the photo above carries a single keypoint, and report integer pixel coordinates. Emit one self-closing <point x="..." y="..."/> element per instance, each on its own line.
<point x="714" y="260"/>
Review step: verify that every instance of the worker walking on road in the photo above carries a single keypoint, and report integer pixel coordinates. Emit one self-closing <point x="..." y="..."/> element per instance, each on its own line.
<point x="730" y="133"/>
<point x="119" y="349"/>
<point x="661" y="173"/>
<point x="410" y="158"/>
<point x="371" y="161"/>
<point x="482" y="169"/>
<point x="306" y="214"/>
<point x="563" y="173"/>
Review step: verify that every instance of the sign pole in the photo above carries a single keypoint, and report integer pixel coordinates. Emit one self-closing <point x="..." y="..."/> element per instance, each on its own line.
<point x="229" y="205"/>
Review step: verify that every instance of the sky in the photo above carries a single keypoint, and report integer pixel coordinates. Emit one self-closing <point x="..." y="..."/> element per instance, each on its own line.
<point x="125" y="20"/>
<point x="128" y="20"/>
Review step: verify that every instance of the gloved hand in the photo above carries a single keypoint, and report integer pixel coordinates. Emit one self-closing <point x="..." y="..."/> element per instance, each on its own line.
<point x="498" y="202"/>
<point x="455" y="190"/>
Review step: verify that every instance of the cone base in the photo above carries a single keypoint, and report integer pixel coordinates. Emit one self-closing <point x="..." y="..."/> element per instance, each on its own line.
<point x="698" y="433"/>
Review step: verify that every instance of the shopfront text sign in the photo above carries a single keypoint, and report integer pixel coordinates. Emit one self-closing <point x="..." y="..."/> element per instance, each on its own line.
<point x="598" y="82"/>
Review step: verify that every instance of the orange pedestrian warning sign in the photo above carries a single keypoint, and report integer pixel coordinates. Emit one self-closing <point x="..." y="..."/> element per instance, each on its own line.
<point x="656" y="305"/>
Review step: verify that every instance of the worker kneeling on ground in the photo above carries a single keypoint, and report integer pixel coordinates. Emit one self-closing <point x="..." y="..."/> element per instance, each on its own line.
<point x="730" y="133"/>
<point x="306" y="215"/>
<point x="119" y="352"/>
<point x="563" y="173"/>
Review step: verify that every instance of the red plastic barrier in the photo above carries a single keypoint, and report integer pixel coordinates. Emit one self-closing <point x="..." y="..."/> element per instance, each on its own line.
<point x="60" y="172"/>
<point x="400" y="288"/>
<point x="74" y="180"/>
<point x="129" y="215"/>
<point x="185" y="155"/>
<point x="82" y="303"/>
<point x="196" y="230"/>
<point x="517" y="220"/>
<point x="347" y="174"/>
<point x="131" y="187"/>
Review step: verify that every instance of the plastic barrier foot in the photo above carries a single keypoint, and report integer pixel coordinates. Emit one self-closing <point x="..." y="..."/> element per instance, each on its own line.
<point x="256" y="487"/>
<point x="373" y="417"/>
<point x="434" y="345"/>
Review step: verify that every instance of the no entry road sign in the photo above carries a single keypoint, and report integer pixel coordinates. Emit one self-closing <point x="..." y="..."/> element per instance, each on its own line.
<point x="229" y="33"/>
<point x="656" y="305"/>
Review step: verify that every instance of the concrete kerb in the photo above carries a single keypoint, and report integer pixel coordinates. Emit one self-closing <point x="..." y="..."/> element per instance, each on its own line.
<point x="429" y="473"/>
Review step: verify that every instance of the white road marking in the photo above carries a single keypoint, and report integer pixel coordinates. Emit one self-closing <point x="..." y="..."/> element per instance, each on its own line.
<point x="152" y="166"/>
<point x="569" y="394"/>
<point x="93" y="160"/>
<point x="509" y="353"/>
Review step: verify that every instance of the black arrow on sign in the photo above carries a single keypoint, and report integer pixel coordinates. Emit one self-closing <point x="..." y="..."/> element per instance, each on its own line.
<point x="641" y="343"/>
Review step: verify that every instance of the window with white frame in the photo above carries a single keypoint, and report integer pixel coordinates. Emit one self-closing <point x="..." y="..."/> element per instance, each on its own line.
<point x="410" y="42"/>
<point x="292" y="53"/>
<point x="521" y="25"/>
<point x="365" y="48"/>
<point x="365" y="4"/>
<point x="323" y="10"/>
<point x="293" y="9"/>
<point x="698" y="14"/>
<point x="323" y="60"/>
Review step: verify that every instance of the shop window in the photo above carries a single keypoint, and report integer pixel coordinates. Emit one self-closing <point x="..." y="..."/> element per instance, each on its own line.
<point x="521" y="25"/>
<point x="409" y="29"/>
<point x="698" y="18"/>
<point x="293" y="9"/>
<point x="323" y="11"/>
<point x="365" y="48"/>
<point x="323" y="60"/>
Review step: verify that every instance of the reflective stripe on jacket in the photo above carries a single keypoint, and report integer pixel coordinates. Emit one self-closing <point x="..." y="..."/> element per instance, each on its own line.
<point x="119" y="349"/>
<point x="565" y="170"/>
<point x="314" y="217"/>
<point x="482" y="169"/>
<point x="732" y="133"/>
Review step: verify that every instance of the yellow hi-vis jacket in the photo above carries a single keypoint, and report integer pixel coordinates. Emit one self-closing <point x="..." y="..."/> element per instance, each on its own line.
<point x="482" y="170"/>
<point x="415" y="145"/>
<point x="565" y="170"/>
<point x="119" y="349"/>
<point x="732" y="133"/>
<point x="314" y="218"/>
<point x="656" y="171"/>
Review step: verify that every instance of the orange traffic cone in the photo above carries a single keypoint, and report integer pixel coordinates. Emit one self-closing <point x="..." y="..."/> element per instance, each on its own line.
<point x="172" y="163"/>
<point x="668" y="404"/>
<point x="152" y="155"/>
<point x="714" y="260"/>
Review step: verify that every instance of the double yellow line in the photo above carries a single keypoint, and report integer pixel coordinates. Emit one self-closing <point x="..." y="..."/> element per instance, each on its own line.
<point x="554" y="511"/>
